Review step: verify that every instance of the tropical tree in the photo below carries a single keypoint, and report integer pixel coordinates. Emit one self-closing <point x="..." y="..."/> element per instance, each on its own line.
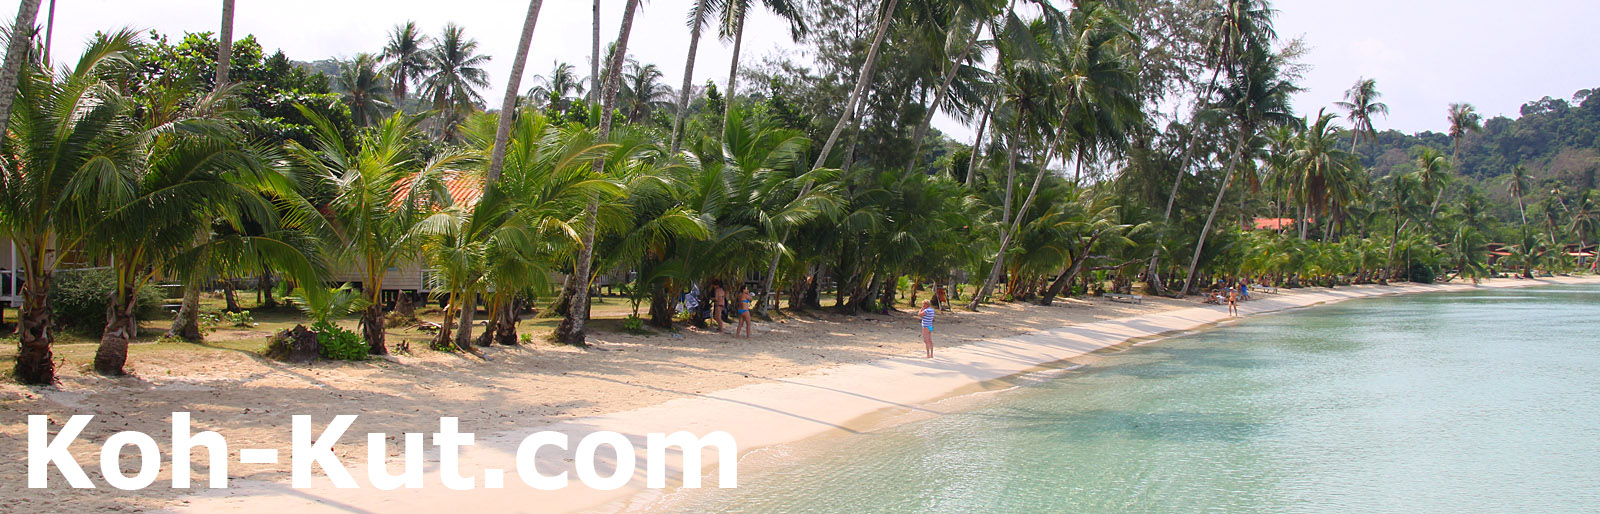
<point x="16" y="54"/>
<point x="407" y="58"/>
<point x="570" y="330"/>
<point x="699" y="16"/>
<point x="456" y="73"/>
<point x="643" y="93"/>
<point x="64" y="125"/>
<point x="1464" y="119"/>
<point x="1360" y="105"/>
<point x="558" y="89"/>
<point x="1433" y="173"/>
<point x="513" y="87"/>
<point x="1256" y="98"/>
<point x="734" y="13"/>
<point x="382" y="189"/>
<point x="1517" y="184"/>
<point x="364" y="89"/>
<point x="225" y="44"/>
<point x="190" y="170"/>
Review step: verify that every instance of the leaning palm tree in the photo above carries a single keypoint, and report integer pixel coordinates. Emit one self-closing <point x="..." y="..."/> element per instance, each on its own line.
<point x="513" y="84"/>
<point x="1463" y="119"/>
<point x="407" y="59"/>
<point x="457" y="74"/>
<point x="699" y="14"/>
<point x="364" y="89"/>
<point x="64" y="126"/>
<point x="1256" y="99"/>
<point x="382" y="190"/>
<point x="863" y="79"/>
<point x="1361" y="104"/>
<point x="570" y="331"/>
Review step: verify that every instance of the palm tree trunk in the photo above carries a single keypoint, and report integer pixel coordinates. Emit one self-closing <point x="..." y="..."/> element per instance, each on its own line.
<point x="688" y="75"/>
<point x="225" y="44"/>
<point x="570" y="331"/>
<point x="733" y="67"/>
<point x="469" y="309"/>
<point x="186" y="325"/>
<point x="938" y="97"/>
<point x="16" y="54"/>
<point x="112" y="354"/>
<point x="977" y="147"/>
<point x="35" y="364"/>
<point x="1152" y="275"/>
<point x="502" y="133"/>
<point x="372" y="328"/>
<point x="1194" y="263"/>
<point x="862" y="79"/>
<point x="1012" y="227"/>
<point x="594" y="60"/>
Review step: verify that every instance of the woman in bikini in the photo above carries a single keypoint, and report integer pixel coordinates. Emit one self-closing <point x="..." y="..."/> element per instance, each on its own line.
<point x="744" y="312"/>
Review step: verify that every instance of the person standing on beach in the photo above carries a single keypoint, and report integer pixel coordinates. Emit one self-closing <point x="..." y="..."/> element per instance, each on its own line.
<point x="744" y="312"/>
<point x="927" y="313"/>
<point x="1233" y="301"/>
<point x="719" y="301"/>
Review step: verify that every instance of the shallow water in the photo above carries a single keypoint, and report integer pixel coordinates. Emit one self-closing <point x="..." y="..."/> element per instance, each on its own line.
<point x="1461" y="402"/>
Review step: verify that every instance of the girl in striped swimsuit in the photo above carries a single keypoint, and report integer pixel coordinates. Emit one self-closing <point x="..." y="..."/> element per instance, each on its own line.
<point x="927" y="326"/>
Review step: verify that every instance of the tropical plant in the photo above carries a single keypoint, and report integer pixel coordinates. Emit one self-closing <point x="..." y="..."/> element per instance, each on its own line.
<point x="1360" y="105"/>
<point x="407" y="58"/>
<point x="455" y="75"/>
<point x="363" y="87"/>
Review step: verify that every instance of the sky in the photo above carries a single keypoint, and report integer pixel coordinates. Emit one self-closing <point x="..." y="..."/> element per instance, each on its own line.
<point x="1424" y="54"/>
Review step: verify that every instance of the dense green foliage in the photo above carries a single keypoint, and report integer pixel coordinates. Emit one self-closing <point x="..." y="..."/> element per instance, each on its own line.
<point x="79" y="299"/>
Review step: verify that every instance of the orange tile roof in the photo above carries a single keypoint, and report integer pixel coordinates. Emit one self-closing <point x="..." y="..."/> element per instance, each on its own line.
<point x="1273" y="223"/>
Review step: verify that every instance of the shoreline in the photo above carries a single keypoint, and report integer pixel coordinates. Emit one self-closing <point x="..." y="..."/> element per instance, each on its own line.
<point x="848" y="398"/>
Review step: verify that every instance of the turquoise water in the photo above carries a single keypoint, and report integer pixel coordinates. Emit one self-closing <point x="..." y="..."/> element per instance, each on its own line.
<point x="1485" y="401"/>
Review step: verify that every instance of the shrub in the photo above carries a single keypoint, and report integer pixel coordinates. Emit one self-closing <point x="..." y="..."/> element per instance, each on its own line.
<point x="338" y="343"/>
<point x="1420" y="273"/>
<point x="633" y="325"/>
<point x="78" y="298"/>
<point x="241" y="319"/>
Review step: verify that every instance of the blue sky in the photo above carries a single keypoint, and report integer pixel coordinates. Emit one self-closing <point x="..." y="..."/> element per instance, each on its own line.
<point x="1424" y="54"/>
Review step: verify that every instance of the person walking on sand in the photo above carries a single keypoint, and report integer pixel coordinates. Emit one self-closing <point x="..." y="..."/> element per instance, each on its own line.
<point x="719" y="302"/>
<point x="927" y="313"/>
<point x="744" y="312"/>
<point x="1233" y="301"/>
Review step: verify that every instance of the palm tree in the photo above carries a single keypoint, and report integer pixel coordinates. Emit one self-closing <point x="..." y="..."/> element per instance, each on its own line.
<point x="545" y="183"/>
<point x="1320" y="172"/>
<point x="1231" y="33"/>
<point x="863" y="79"/>
<point x="508" y="106"/>
<point x="364" y="89"/>
<point x="457" y="73"/>
<point x="733" y="16"/>
<point x="1517" y="185"/>
<point x="16" y="54"/>
<point x="1257" y="98"/>
<point x="1463" y="119"/>
<point x="570" y="331"/>
<point x="643" y="92"/>
<point x="67" y="127"/>
<point x="1585" y="219"/>
<point x="1361" y="104"/>
<point x="382" y="190"/>
<point x="1433" y="172"/>
<point x="698" y="17"/>
<point x="225" y="44"/>
<point x="193" y="168"/>
<point x="966" y="16"/>
<point x="407" y="60"/>
<point x="558" y="89"/>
